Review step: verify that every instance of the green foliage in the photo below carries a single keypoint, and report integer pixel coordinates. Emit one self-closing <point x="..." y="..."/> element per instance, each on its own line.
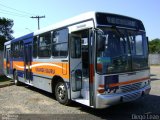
<point x="154" y="46"/>
<point x="4" y="78"/>
<point x="5" y="31"/>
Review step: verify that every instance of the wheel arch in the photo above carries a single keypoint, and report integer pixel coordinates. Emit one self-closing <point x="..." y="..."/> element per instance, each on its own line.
<point x="13" y="72"/>
<point x="55" y="80"/>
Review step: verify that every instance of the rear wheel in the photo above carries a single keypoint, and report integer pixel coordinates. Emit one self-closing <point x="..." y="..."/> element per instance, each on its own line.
<point x="15" y="77"/>
<point x="61" y="93"/>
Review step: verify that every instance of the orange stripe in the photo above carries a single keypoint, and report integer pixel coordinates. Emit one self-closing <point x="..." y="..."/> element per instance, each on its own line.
<point x="48" y="70"/>
<point x="4" y="64"/>
<point x="18" y="65"/>
<point x="125" y="83"/>
<point x="128" y="82"/>
<point x="8" y="65"/>
<point x="61" y="69"/>
<point x="91" y="73"/>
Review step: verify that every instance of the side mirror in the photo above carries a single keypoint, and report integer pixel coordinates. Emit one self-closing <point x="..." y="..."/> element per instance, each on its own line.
<point x="101" y="43"/>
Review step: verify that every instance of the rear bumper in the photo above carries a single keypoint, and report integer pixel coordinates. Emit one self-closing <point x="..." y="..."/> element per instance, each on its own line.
<point x="104" y="101"/>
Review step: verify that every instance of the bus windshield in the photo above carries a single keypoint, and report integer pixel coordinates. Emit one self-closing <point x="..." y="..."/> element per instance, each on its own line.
<point x="123" y="51"/>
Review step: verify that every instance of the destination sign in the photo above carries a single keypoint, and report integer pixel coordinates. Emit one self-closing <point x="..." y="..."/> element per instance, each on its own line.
<point x="118" y="20"/>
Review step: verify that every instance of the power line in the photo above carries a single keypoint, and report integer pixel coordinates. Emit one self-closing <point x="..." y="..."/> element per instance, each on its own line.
<point x="15" y="9"/>
<point x="38" y="18"/>
<point x="13" y="13"/>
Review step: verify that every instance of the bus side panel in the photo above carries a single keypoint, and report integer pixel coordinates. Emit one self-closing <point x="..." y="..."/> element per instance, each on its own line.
<point x="19" y="67"/>
<point x="51" y="69"/>
<point x="43" y="83"/>
<point x="43" y="72"/>
<point x="21" y="76"/>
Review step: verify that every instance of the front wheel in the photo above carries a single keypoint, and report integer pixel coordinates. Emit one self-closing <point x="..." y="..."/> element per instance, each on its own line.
<point x="61" y="93"/>
<point x="15" y="77"/>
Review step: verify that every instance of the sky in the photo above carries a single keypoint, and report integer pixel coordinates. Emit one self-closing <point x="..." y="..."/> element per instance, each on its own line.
<point x="55" y="11"/>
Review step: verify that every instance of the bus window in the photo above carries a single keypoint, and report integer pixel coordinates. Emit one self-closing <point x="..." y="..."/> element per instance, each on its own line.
<point x="60" y="43"/>
<point x="21" y="49"/>
<point x="45" y="45"/>
<point x="35" y="42"/>
<point x="15" y="50"/>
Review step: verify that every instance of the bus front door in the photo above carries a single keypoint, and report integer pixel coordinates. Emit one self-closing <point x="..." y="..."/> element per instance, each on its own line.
<point x="75" y="65"/>
<point x="27" y="63"/>
<point x="79" y="77"/>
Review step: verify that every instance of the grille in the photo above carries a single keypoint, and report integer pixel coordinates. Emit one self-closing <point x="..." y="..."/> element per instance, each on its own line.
<point x="131" y="87"/>
<point x="131" y="97"/>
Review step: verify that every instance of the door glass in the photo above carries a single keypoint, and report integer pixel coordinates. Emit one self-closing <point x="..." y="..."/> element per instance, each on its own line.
<point x="76" y="47"/>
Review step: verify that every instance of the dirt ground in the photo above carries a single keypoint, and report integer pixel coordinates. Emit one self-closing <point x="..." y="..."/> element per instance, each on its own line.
<point x="31" y="101"/>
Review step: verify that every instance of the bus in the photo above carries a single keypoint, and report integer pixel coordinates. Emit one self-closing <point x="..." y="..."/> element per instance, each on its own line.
<point x="97" y="59"/>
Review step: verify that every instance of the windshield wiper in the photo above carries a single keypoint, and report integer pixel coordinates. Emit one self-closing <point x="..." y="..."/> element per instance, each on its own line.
<point x="119" y="33"/>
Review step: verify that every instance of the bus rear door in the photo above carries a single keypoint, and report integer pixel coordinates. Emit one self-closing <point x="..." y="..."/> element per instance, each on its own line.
<point x="27" y="62"/>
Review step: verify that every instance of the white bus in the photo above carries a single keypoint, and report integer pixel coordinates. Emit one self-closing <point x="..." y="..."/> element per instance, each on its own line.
<point x="96" y="59"/>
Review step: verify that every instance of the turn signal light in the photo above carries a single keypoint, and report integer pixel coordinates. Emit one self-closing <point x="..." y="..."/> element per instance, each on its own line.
<point x="101" y="91"/>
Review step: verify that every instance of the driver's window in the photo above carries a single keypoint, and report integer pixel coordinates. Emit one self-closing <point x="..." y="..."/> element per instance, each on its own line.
<point x="138" y="40"/>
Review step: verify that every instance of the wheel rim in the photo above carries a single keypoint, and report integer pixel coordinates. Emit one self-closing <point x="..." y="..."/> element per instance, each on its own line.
<point x="15" y="81"/>
<point x="15" y="78"/>
<point x="61" y="91"/>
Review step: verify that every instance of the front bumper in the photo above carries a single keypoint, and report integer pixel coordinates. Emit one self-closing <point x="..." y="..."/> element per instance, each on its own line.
<point x="104" y="101"/>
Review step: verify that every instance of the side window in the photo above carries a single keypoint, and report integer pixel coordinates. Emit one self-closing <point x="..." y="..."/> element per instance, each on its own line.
<point x="21" y="49"/>
<point x="138" y="40"/>
<point x="60" y="43"/>
<point x="12" y="50"/>
<point x="15" y="50"/>
<point x="35" y="46"/>
<point x="45" y="45"/>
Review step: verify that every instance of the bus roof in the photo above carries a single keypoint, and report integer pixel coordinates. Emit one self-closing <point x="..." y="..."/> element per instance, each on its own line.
<point x="23" y="37"/>
<point x="70" y="21"/>
<point x="77" y="19"/>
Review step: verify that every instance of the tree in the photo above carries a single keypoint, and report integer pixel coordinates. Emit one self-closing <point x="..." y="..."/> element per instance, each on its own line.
<point x="154" y="46"/>
<point x="5" y="31"/>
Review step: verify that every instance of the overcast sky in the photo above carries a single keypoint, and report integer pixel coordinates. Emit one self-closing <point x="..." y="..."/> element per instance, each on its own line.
<point x="57" y="10"/>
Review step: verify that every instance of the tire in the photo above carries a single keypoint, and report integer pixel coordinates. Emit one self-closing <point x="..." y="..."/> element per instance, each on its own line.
<point x="61" y="93"/>
<point x="15" y="78"/>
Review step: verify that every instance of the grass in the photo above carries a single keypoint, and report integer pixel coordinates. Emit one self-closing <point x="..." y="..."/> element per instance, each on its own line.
<point x="155" y="65"/>
<point x="3" y="78"/>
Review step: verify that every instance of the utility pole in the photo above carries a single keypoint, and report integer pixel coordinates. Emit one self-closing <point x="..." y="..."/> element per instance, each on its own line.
<point x="38" y="18"/>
